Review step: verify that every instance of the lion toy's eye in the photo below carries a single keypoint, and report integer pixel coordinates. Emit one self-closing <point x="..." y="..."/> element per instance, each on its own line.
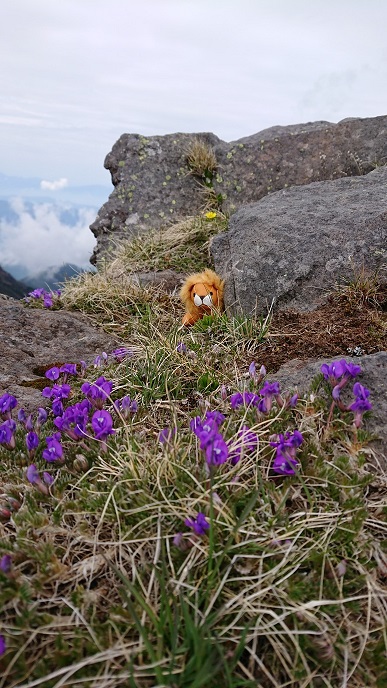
<point x="207" y="301"/>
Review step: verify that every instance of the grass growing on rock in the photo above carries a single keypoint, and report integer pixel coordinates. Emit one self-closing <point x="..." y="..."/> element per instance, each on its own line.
<point x="183" y="246"/>
<point x="105" y="583"/>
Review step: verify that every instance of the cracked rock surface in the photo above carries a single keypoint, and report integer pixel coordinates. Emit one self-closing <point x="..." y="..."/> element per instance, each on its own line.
<point x="292" y="247"/>
<point x="33" y="340"/>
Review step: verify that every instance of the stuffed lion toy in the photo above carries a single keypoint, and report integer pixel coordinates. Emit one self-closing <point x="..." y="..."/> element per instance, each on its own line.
<point x="201" y="293"/>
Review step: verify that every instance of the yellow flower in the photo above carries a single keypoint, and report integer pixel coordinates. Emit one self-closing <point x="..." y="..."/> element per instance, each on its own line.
<point x="210" y="215"/>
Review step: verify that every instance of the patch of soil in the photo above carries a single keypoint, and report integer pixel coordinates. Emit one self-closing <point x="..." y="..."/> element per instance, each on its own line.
<point x="337" y="328"/>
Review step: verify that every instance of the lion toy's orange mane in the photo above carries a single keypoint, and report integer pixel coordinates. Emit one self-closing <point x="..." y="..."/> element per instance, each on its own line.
<point x="201" y="293"/>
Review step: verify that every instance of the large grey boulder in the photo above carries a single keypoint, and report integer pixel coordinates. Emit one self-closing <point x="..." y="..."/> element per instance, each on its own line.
<point x="153" y="184"/>
<point x="298" y="375"/>
<point x="33" y="340"/>
<point x="293" y="246"/>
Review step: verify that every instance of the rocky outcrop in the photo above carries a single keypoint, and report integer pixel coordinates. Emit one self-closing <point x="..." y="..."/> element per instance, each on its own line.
<point x="33" y="340"/>
<point x="298" y="375"/>
<point x="293" y="246"/>
<point x="153" y="183"/>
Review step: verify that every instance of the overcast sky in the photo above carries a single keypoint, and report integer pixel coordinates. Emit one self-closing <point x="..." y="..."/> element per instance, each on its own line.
<point x="76" y="74"/>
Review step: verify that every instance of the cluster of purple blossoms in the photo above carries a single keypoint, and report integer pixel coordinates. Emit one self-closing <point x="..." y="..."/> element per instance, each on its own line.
<point x="210" y="439"/>
<point x="97" y="392"/>
<point x="263" y="400"/>
<point x="125" y="406"/>
<point x="7" y="429"/>
<point x="217" y="451"/>
<point x="338" y="373"/>
<point x="285" y="462"/>
<point x="74" y="419"/>
<point x="48" y="297"/>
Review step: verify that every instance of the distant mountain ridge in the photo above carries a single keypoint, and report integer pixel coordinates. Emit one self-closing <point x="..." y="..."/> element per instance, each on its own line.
<point x="53" y="277"/>
<point x="12" y="287"/>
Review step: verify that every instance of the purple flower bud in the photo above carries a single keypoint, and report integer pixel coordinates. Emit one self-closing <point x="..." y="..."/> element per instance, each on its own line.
<point x="48" y="478"/>
<point x="5" y="563"/>
<point x="181" y="348"/>
<point x="42" y="417"/>
<point x="252" y="370"/>
<point x="32" y="474"/>
<point x="223" y="392"/>
<point x="22" y="416"/>
<point x="3" y="645"/>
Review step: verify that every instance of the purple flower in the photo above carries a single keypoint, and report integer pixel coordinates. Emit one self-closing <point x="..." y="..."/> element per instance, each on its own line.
<point x="47" y="301"/>
<point x="22" y="416"/>
<point x="74" y="419"/>
<point x="100" y="359"/>
<point x="32" y="474"/>
<point x="216" y="450"/>
<point x="6" y="435"/>
<point x="166" y="435"/>
<point x="215" y="417"/>
<point x="3" y="645"/>
<point x="37" y="293"/>
<point x="54" y="451"/>
<point x="98" y="391"/>
<point x="361" y="403"/>
<point x="285" y="462"/>
<point x="199" y="524"/>
<point x="52" y="373"/>
<point x="5" y="563"/>
<point x="244" y="399"/>
<point x="48" y="479"/>
<point x="69" y="369"/>
<point x="7" y="403"/>
<point x="122" y="352"/>
<point x="360" y="391"/>
<point x="32" y="442"/>
<point x="125" y="406"/>
<point x="102" y="424"/>
<point x="35" y="479"/>
<point x="41" y="417"/>
<point x="57" y="392"/>
<point x="269" y="391"/>
<point x="337" y="369"/>
<point x="252" y="370"/>
<point x="351" y="369"/>
<point x="333" y="371"/>
<point x="181" y="348"/>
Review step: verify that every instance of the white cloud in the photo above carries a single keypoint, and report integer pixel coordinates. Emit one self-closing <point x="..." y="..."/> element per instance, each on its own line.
<point x="54" y="186"/>
<point x="39" y="239"/>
